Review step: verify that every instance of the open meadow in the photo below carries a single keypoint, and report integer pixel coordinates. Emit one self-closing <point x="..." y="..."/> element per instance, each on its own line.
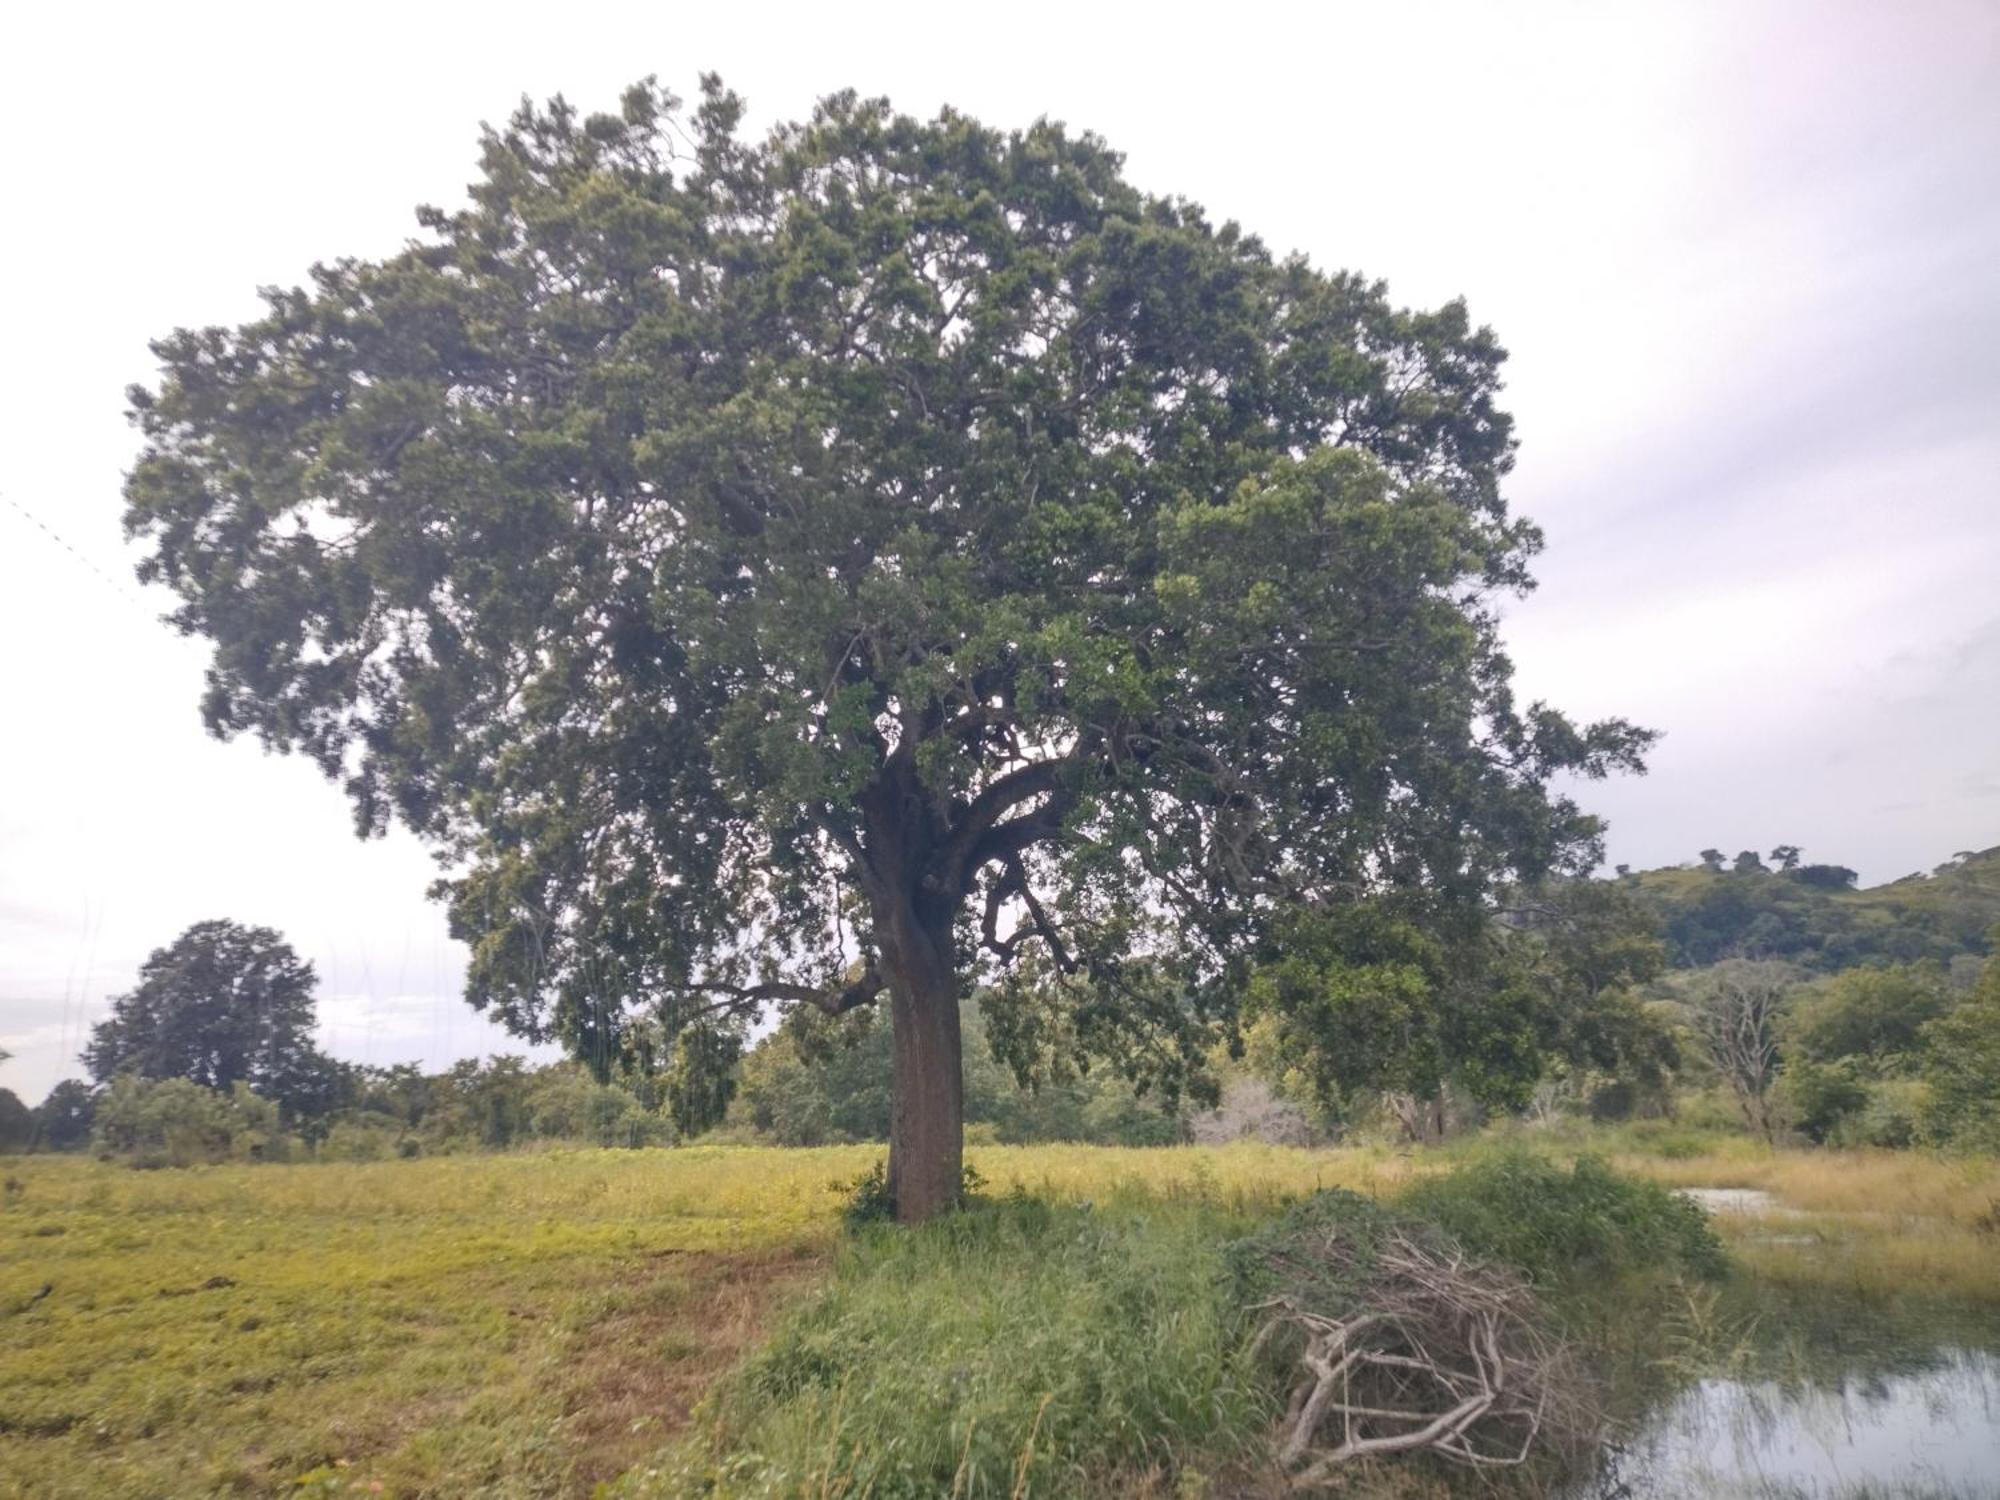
<point x="543" y="1323"/>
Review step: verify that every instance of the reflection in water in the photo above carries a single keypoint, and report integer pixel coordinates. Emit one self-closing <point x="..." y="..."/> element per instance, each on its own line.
<point x="1928" y="1432"/>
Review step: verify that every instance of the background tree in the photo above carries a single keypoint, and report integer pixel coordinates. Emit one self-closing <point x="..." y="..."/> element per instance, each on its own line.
<point x="1853" y="1044"/>
<point x="1876" y="1014"/>
<point x="1585" y="949"/>
<point x="1711" y="860"/>
<point x="17" y="1121"/>
<point x="1364" y="999"/>
<point x="1960" y="1064"/>
<point x="818" y="1079"/>
<point x="63" y="1119"/>
<point x="1732" y="1011"/>
<point x="1748" y="862"/>
<point x="1787" y="856"/>
<point x="799" y="570"/>
<point x="222" y="1004"/>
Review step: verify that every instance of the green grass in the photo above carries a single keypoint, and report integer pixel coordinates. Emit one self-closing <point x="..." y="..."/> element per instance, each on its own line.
<point x="535" y="1324"/>
<point x="461" y="1325"/>
<point x="1023" y="1348"/>
<point x="419" y="1324"/>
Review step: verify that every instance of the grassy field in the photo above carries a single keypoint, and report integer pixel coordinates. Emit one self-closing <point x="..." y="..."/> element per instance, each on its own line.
<point x="539" y="1324"/>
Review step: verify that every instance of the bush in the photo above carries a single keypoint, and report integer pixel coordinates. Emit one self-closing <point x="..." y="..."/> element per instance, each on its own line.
<point x="1820" y="1097"/>
<point x="1892" y="1115"/>
<point x="565" y="1103"/>
<point x="174" y="1122"/>
<point x="1961" y="1064"/>
<point x="1019" y="1349"/>
<point x="1560" y="1226"/>
<point x="366" y="1138"/>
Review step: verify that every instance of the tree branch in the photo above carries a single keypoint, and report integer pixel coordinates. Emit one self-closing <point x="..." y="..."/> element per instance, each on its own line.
<point x="834" y="1002"/>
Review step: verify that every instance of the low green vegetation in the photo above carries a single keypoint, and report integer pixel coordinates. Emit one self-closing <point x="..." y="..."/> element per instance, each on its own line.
<point x="1021" y="1347"/>
<point x="532" y="1324"/>
<point x="1067" y="1347"/>
<point x="1561" y="1224"/>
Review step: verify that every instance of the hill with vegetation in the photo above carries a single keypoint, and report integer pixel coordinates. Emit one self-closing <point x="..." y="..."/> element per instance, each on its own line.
<point x="1813" y="915"/>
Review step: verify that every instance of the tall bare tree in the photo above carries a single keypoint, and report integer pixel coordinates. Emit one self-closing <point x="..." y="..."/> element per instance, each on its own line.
<point x="1732" y="1011"/>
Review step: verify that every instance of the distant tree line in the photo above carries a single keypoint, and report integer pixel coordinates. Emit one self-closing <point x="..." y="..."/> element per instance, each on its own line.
<point x="211" y="1058"/>
<point x="1812" y="915"/>
<point x="1815" y="1011"/>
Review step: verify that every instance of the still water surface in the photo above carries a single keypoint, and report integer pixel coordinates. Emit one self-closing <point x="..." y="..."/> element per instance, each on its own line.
<point x="1928" y="1429"/>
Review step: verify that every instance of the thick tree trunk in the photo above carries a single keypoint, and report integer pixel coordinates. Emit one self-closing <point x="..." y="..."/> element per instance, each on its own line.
<point x="927" y="1112"/>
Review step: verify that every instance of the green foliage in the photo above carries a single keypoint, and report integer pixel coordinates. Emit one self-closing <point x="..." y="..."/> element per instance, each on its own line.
<point x="1388" y="997"/>
<point x="763" y="563"/>
<point x="174" y="1122"/>
<point x="1023" y="1349"/>
<point x="1894" y="1116"/>
<point x="1282" y="1252"/>
<point x="1373" y="998"/>
<point x="1811" y="915"/>
<point x="816" y="1081"/>
<point x="397" y="1112"/>
<point x="480" y="1104"/>
<point x="1819" y="1097"/>
<point x="701" y="1077"/>
<point x="1873" y="1015"/>
<point x="566" y="1104"/>
<point x="1566" y="1227"/>
<point x="63" y="1119"/>
<point x="1961" y="1068"/>
<point x="867" y="1200"/>
<point x="17" y="1122"/>
<point x="222" y="1004"/>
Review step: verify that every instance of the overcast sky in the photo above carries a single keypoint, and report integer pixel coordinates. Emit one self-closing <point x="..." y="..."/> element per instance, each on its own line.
<point x="1746" y="257"/>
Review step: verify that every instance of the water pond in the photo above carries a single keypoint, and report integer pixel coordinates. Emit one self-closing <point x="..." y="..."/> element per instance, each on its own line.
<point x="1928" y="1428"/>
<point x="1826" y="1398"/>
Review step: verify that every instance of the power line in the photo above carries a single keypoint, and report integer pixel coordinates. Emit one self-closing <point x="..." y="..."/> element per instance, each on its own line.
<point x="53" y="535"/>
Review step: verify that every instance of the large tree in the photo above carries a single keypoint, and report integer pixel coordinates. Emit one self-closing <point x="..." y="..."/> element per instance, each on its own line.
<point x="222" y="1004"/>
<point x="815" y="568"/>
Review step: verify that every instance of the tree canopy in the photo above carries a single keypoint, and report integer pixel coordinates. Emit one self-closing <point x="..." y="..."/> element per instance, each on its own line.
<point x="222" y="1004"/>
<point x="832" y="565"/>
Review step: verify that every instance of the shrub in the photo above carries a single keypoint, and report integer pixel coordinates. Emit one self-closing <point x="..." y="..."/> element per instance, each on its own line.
<point x="1560" y="1226"/>
<point x="1892" y="1115"/>
<point x="1020" y="1349"/>
<point x="1821" y="1096"/>
<point x="566" y="1103"/>
<point x="174" y="1122"/>
<point x="1961" y="1063"/>
<point x="366" y="1138"/>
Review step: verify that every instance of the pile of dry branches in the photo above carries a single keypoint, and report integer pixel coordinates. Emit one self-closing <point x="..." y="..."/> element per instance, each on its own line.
<point x="1395" y="1342"/>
